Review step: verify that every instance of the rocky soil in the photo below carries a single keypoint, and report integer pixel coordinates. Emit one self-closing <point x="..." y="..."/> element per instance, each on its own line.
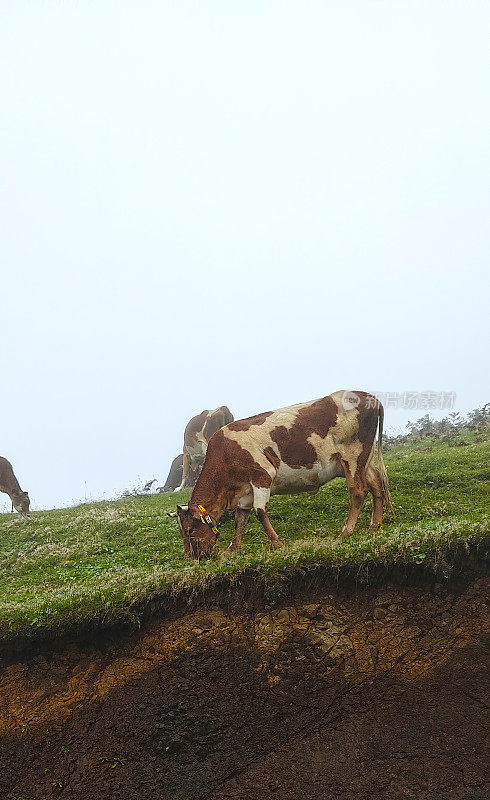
<point x="336" y="693"/>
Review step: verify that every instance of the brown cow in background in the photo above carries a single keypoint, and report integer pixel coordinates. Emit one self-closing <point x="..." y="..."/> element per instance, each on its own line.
<point x="10" y="485"/>
<point x="197" y="434"/>
<point x="174" y="477"/>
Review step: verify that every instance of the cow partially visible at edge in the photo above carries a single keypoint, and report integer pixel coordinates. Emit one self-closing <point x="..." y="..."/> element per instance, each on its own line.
<point x="291" y="450"/>
<point x="174" y="477"/>
<point x="197" y="434"/>
<point x="10" y="485"/>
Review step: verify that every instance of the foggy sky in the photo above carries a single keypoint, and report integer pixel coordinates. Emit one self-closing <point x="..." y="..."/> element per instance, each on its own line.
<point x="251" y="204"/>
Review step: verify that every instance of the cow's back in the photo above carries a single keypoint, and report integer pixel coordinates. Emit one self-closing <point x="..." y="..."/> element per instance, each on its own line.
<point x="6" y="472"/>
<point x="216" y="420"/>
<point x="204" y="425"/>
<point x="303" y="446"/>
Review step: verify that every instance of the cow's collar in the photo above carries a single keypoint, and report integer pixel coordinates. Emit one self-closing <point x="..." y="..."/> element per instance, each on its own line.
<point x="207" y="519"/>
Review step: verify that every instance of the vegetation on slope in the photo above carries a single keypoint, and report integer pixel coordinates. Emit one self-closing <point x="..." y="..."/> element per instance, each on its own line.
<point x="95" y="561"/>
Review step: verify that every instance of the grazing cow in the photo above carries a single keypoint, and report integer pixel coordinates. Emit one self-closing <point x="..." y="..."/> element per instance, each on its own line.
<point x="174" y="477"/>
<point x="197" y="434"/>
<point x="10" y="485"/>
<point x="294" y="449"/>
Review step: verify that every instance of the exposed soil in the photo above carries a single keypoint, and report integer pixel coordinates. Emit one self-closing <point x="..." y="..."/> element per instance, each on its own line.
<point x="343" y="694"/>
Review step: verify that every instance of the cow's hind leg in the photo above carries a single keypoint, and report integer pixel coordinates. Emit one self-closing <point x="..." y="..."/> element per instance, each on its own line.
<point x="358" y="490"/>
<point x="185" y="472"/>
<point x="267" y="526"/>
<point x="375" y="487"/>
<point x="241" y="519"/>
<point x="261" y="498"/>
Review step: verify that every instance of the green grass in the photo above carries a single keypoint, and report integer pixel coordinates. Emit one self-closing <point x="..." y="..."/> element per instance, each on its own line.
<point x="93" y="562"/>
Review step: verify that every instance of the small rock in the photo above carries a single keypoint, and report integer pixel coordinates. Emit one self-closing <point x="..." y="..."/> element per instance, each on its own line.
<point x="310" y="609"/>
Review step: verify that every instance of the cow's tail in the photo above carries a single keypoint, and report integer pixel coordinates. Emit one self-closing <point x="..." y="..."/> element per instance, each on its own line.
<point x="385" y="486"/>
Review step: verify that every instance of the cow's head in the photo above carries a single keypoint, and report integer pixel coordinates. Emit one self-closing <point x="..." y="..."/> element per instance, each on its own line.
<point x="199" y="540"/>
<point x="21" y="502"/>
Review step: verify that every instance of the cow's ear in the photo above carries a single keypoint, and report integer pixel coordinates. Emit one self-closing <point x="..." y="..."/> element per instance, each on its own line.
<point x="182" y="508"/>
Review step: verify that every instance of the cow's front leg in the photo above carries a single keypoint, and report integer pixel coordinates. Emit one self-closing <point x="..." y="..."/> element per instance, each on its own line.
<point x="261" y="498"/>
<point x="241" y="519"/>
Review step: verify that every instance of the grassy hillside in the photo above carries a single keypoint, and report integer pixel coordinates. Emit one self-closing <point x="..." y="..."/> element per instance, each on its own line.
<point x="95" y="560"/>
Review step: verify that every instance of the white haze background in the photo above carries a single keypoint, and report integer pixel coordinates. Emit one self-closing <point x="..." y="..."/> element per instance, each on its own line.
<point x="251" y="203"/>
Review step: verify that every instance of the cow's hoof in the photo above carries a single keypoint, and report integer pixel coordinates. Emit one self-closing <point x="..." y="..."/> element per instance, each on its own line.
<point x="277" y="544"/>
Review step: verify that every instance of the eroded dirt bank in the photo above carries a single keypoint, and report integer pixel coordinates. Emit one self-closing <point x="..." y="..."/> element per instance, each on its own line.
<point x="340" y="694"/>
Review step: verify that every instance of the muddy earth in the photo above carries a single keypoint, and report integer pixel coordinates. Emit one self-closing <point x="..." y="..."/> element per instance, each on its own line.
<point x="344" y="692"/>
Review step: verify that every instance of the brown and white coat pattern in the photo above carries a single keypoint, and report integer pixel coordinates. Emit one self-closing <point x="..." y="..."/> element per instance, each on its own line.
<point x="197" y="434"/>
<point x="291" y="450"/>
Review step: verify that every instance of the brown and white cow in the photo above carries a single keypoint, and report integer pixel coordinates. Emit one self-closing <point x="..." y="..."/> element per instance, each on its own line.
<point x="197" y="434"/>
<point x="294" y="449"/>
<point x="10" y="485"/>
<point x="174" y="477"/>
